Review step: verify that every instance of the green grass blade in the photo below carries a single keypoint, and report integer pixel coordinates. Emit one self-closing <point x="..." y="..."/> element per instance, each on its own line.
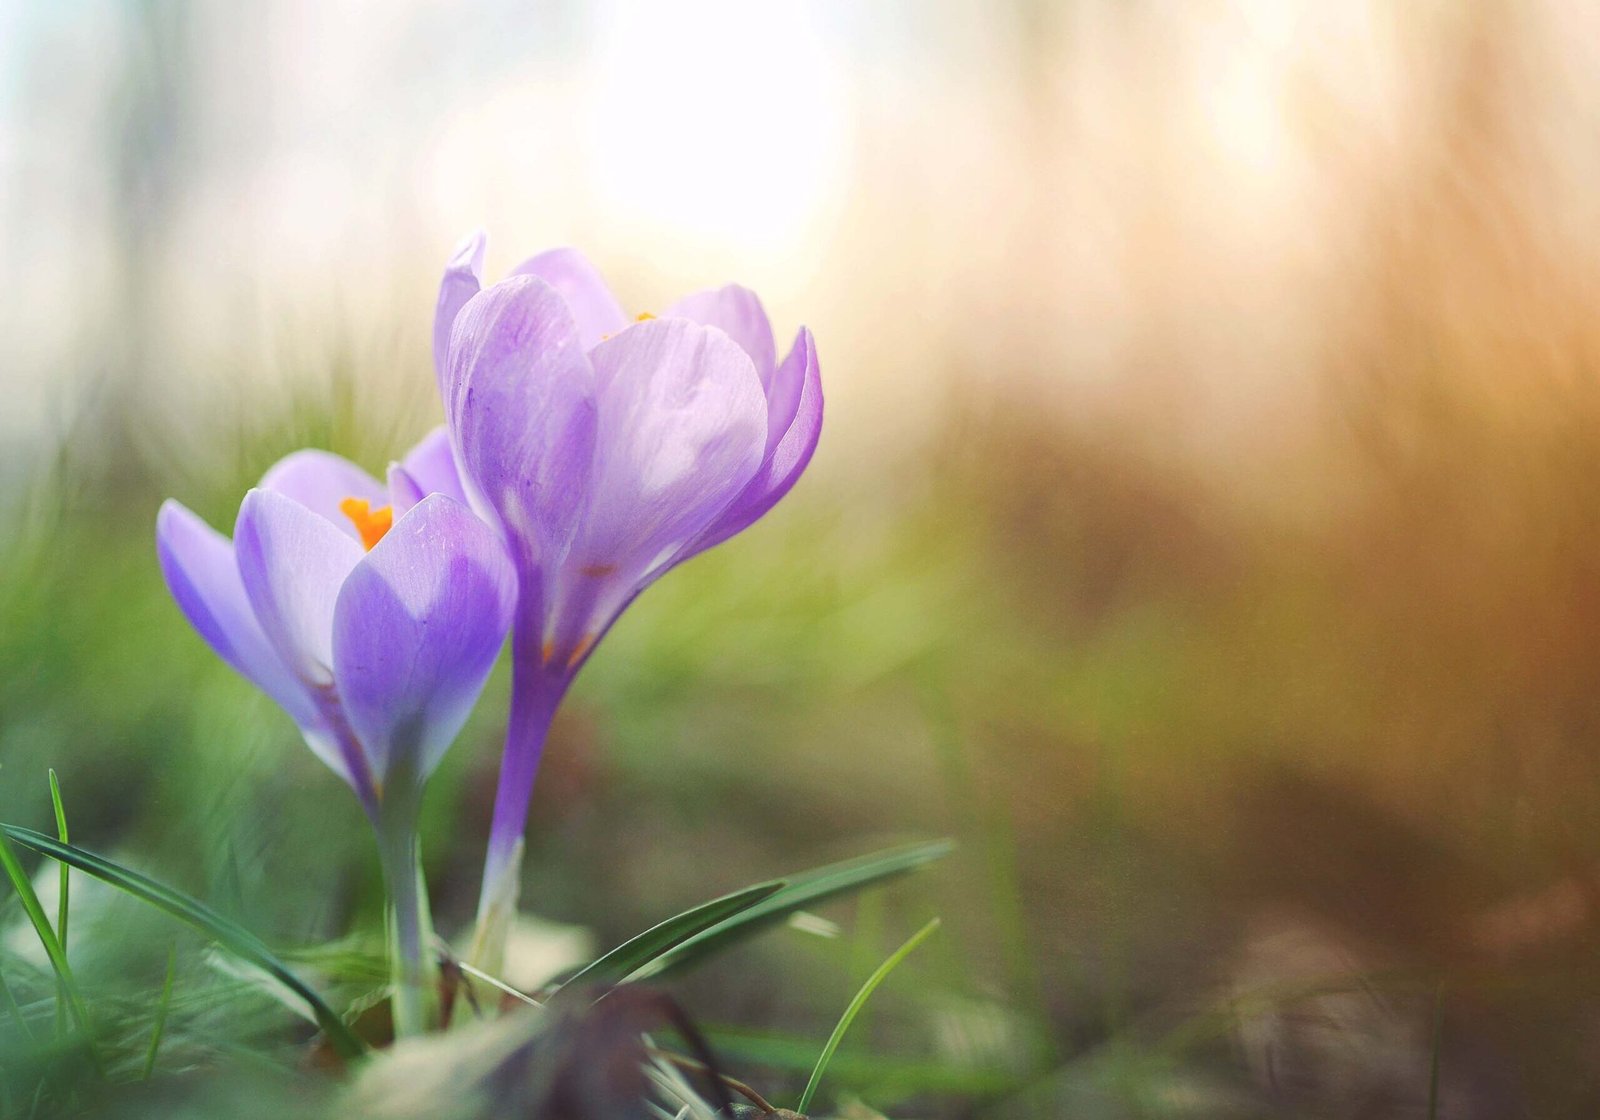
<point x="15" y="1008"/>
<point x="856" y="1004"/>
<point x="161" y="1016"/>
<point x="497" y="984"/>
<point x="804" y="890"/>
<point x="238" y="940"/>
<point x="874" y="1074"/>
<point x="642" y="950"/>
<point x="63" y="900"/>
<point x="47" y="936"/>
<point x="66" y="872"/>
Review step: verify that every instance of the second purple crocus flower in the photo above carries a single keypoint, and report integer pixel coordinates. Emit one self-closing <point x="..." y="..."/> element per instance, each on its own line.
<point x="608" y="450"/>
<point x="372" y="615"/>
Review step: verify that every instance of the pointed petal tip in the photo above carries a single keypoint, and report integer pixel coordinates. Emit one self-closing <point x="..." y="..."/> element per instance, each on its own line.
<point x="292" y="563"/>
<point x="582" y="287"/>
<point x="256" y="495"/>
<point x="168" y="517"/>
<point x="685" y="421"/>
<point x="462" y="279"/>
<point x="519" y="395"/>
<point x="516" y="320"/>
<point x="736" y="311"/>
<point x="180" y="533"/>
<point x="404" y="490"/>
<point x="804" y="342"/>
<point x="200" y="569"/>
<point x="321" y="481"/>
<point x="469" y="252"/>
<point x="796" y="428"/>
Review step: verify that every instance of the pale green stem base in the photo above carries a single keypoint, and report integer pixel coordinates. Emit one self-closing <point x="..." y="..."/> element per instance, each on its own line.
<point x="412" y="964"/>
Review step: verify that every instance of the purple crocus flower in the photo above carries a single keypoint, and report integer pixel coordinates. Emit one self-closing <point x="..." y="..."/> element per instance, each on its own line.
<point x="608" y="450"/>
<point x="372" y="614"/>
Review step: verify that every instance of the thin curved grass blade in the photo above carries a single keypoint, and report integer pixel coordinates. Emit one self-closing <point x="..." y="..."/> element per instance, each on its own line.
<point x="878" y="977"/>
<point x="64" y="889"/>
<point x="238" y="940"/>
<point x="161" y="1016"/>
<point x="15" y="1009"/>
<point x="63" y="907"/>
<point x="642" y="950"/>
<point x="804" y="890"/>
<point x="870" y="1073"/>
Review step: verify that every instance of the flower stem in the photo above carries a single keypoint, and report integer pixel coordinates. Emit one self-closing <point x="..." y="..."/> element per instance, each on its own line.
<point x="411" y="961"/>
<point x="535" y="694"/>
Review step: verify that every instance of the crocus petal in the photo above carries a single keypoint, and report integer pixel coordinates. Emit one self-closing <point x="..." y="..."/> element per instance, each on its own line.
<point x="519" y="399"/>
<point x="201" y="572"/>
<point x="579" y="283"/>
<point x="788" y="458"/>
<point x="788" y="386"/>
<point x="463" y="276"/>
<point x="682" y="428"/>
<point x="429" y="468"/>
<point x="404" y="491"/>
<point x="292" y="563"/>
<point x="738" y="313"/>
<point x="416" y="630"/>
<point x="320" y="480"/>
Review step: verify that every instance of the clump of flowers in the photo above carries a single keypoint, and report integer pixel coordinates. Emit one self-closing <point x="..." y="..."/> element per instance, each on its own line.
<point x="584" y="454"/>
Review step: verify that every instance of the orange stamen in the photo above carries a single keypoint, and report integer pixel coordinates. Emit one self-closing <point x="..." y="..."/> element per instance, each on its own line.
<point x="642" y="316"/>
<point x="371" y="523"/>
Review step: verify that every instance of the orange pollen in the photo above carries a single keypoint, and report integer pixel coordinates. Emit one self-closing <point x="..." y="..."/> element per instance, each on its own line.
<point x="371" y="523"/>
<point x="642" y="316"/>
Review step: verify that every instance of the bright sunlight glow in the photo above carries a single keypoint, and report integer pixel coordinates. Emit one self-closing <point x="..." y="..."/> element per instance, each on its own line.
<point x="736" y="135"/>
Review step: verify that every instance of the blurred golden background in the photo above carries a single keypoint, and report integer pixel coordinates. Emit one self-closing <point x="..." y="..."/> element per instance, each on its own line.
<point x="1205" y="529"/>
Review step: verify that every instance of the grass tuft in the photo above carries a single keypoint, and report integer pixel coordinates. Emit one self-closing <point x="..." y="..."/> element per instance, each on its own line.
<point x="232" y="936"/>
<point x="47" y="937"/>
